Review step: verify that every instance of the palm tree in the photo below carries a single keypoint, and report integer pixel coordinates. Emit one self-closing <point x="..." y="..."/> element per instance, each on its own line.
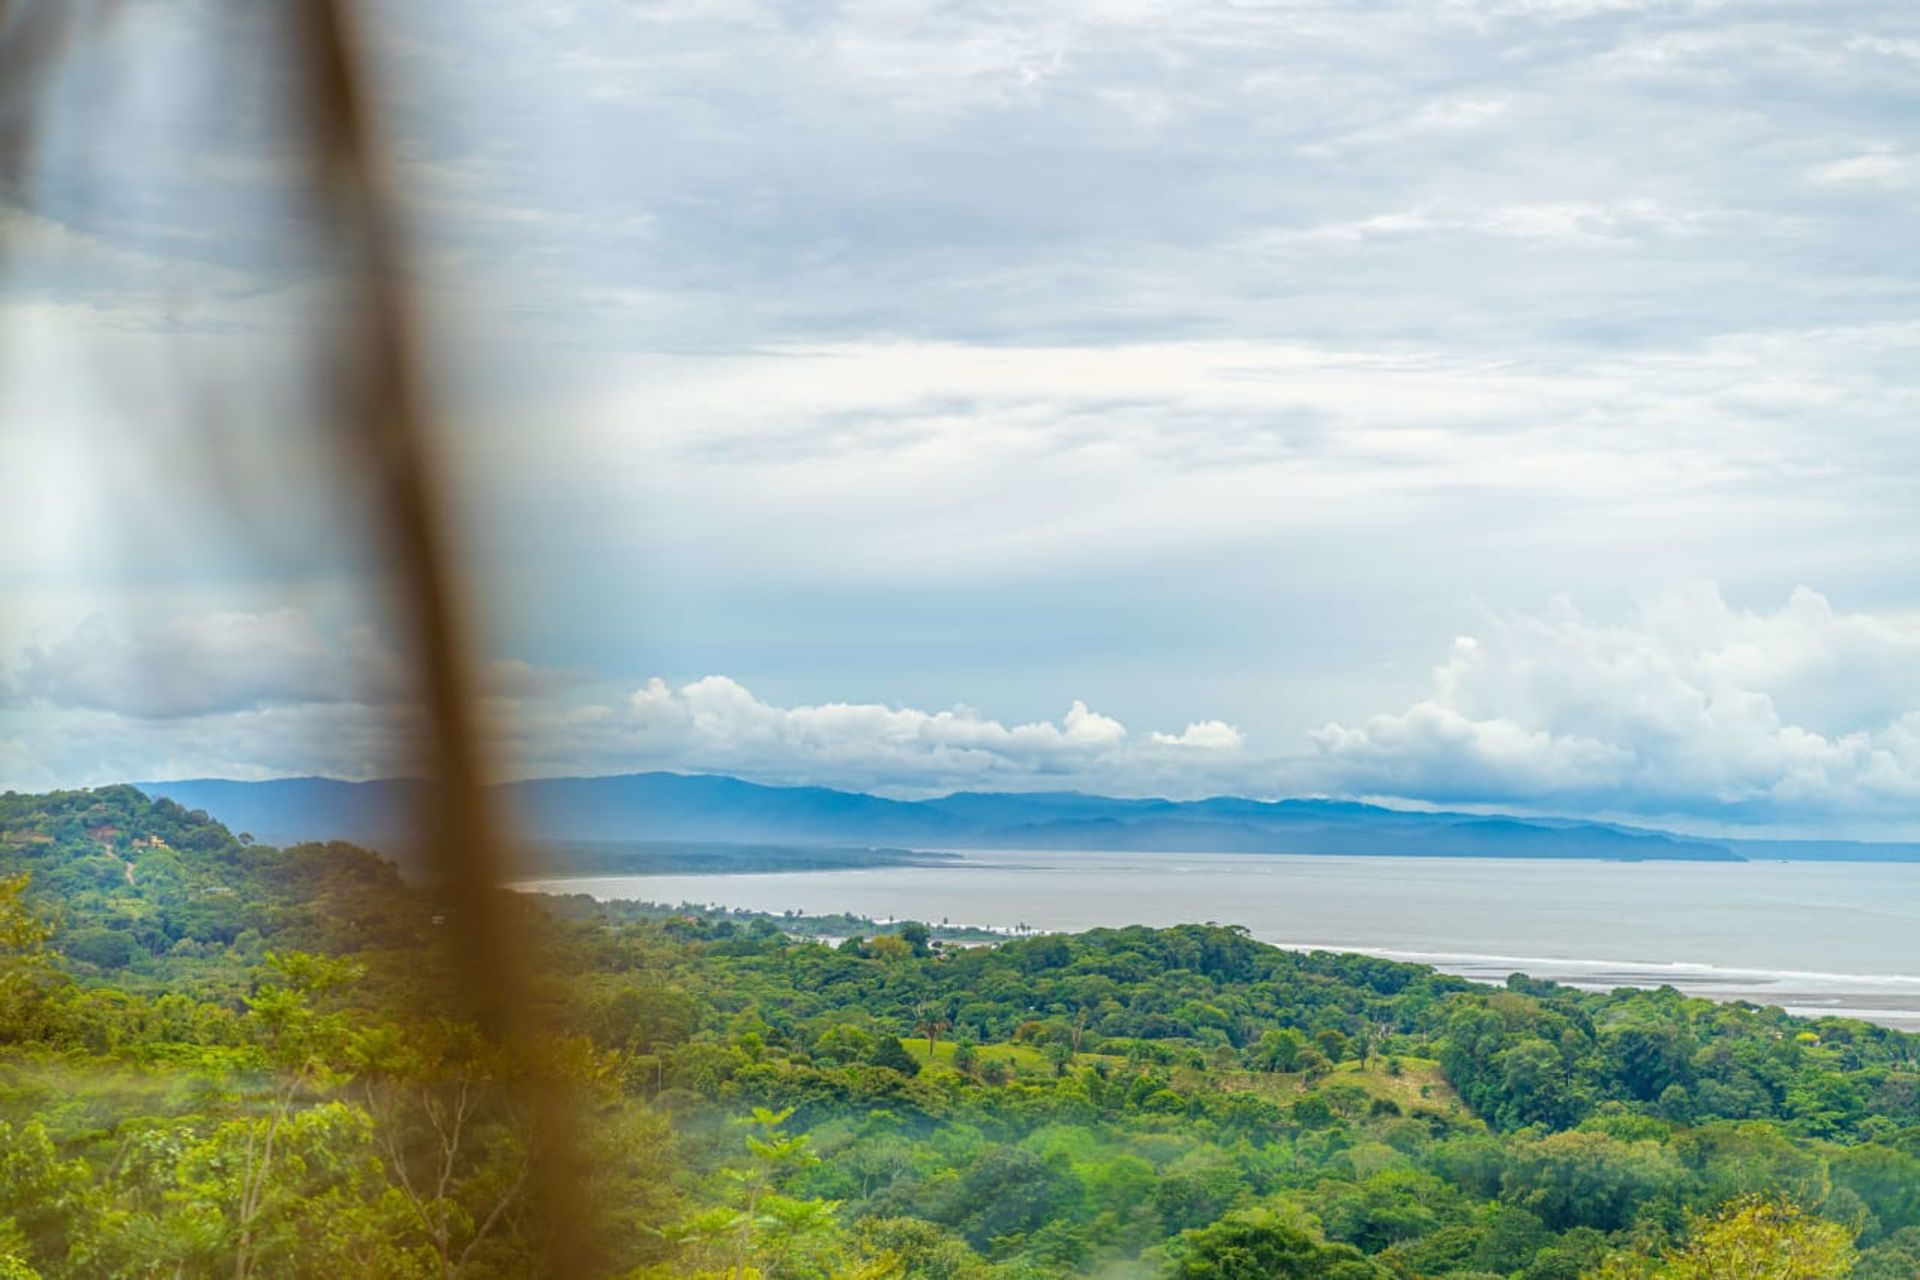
<point x="930" y="1020"/>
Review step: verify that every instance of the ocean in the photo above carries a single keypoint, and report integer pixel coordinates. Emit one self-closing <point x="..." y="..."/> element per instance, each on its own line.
<point x="1812" y="937"/>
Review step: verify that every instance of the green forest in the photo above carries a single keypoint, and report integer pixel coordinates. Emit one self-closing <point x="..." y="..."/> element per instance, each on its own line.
<point x="218" y="1058"/>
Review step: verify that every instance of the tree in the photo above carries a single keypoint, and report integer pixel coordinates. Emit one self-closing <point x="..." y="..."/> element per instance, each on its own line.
<point x="1197" y="1189"/>
<point x="445" y="1131"/>
<point x="762" y="1226"/>
<point x="1754" y="1238"/>
<point x="930" y="1019"/>
<point x="1888" y="1181"/>
<point x="916" y="1247"/>
<point x="844" y="1043"/>
<point x="42" y="1197"/>
<point x="1257" y="1244"/>
<point x="105" y="948"/>
<point x="1333" y="1043"/>
<point x="23" y="956"/>
<point x="1645" y="1060"/>
<point x="1581" y="1179"/>
<point x="1895" y="1258"/>
<point x="321" y="1170"/>
<point x="776" y="1154"/>
<point x="1279" y="1050"/>
<point x="303" y="1047"/>
<point x="644" y="1017"/>
<point x="1008" y="1190"/>
<point x="889" y="1053"/>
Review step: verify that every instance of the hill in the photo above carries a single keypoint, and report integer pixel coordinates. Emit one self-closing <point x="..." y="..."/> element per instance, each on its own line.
<point x="151" y="893"/>
<point x="710" y="809"/>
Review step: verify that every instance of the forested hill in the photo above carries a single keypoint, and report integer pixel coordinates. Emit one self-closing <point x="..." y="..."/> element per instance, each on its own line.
<point x="701" y="808"/>
<point x="147" y="888"/>
<point x="1180" y="1102"/>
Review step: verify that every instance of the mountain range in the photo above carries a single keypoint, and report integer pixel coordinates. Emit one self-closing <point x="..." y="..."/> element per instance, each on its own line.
<point x="719" y="810"/>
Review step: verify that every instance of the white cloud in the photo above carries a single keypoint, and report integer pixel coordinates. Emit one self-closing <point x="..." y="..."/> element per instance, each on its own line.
<point x="1691" y="707"/>
<point x="717" y="724"/>
<point x="259" y="694"/>
<point x="1688" y="711"/>
<point x="197" y="664"/>
<point x="1210" y="735"/>
<point x="64" y="747"/>
<point x="1877" y="168"/>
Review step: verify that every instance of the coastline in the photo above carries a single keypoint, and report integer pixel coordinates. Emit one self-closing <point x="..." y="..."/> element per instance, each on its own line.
<point x="1886" y="999"/>
<point x="1889" y="1000"/>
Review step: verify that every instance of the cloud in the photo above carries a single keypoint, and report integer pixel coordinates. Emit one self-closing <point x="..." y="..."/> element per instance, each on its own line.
<point x="200" y="664"/>
<point x="716" y="724"/>
<point x="258" y="694"/>
<point x="1876" y="168"/>
<point x="1084" y="173"/>
<point x="1689" y="707"/>
<point x="1210" y="735"/>
<point x="517" y="679"/>
<point x="51" y="748"/>
<point x="1687" y="710"/>
<point x="1194" y="359"/>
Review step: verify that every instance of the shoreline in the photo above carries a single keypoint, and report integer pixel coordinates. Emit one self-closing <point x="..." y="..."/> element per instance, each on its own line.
<point x="1890" y="1000"/>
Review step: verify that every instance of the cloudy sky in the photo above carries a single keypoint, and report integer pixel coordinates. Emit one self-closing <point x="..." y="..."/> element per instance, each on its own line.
<point x="1497" y="403"/>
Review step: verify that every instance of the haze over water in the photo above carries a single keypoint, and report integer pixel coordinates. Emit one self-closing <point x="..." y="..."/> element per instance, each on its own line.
<point x="1812" y="937"/>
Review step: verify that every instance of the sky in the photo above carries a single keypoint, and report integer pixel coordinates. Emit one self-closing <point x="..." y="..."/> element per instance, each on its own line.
<point x="1479" y="403"/>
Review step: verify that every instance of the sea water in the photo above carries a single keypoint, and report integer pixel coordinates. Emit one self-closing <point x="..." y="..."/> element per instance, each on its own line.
<point x="1814" y="937"/>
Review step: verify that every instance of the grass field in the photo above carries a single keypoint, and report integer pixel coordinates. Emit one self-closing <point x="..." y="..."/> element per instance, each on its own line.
<point x="1418" y="1084"/>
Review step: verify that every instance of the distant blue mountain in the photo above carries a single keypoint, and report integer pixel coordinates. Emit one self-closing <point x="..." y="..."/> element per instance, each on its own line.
<point x="289" y="810"/>
<point x="709" y="809"/>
